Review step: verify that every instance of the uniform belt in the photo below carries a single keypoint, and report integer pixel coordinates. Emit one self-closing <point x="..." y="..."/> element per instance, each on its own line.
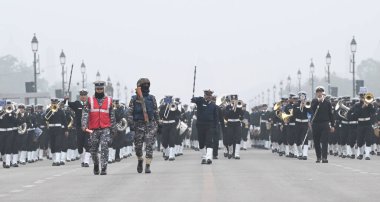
<point x="6" y="129"/>
<point x="170" y="121"/>
<point x="292" y="124"/>
<point x="302" y="120"/>
<point x="30" y="129"/>
<point x="277" y="124"/>
<point x="42" y="127"/>
<point x="345" y="122"/>
<point x="233" y="120"/>
<point x="263" y="121"/>
<point x="55" y="125"/>
<point x="353" y="122"/>
<point x="364" y="119"/>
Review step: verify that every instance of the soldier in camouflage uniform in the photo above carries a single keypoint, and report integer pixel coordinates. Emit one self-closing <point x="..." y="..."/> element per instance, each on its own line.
<point x="98" y="119"/>
<point x="144" y="130"/>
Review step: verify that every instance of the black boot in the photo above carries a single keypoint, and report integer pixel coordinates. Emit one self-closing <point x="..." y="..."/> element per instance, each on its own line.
<point x="318" y="160"/>
<point x="96" y="169"/>
<point x="140" y="166"/>
<point x="147" y="168"/>
<point x="325" y="161"/>
<point x="104" y="171"/>
<point x="204" y="161"/>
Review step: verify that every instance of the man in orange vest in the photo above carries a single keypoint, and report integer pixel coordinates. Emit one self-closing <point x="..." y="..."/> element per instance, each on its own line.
<point x="98" y="119"/>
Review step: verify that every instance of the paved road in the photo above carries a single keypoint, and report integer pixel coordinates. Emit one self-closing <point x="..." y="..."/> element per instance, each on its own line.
<point x="258" y="176"/>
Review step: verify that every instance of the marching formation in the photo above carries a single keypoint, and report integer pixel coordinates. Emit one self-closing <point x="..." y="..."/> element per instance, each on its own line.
<point x="344" y="127"/>
<point x="100" y="130"/>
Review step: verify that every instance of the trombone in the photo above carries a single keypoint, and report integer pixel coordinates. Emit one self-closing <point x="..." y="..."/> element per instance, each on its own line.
<point x="53" y="109"/>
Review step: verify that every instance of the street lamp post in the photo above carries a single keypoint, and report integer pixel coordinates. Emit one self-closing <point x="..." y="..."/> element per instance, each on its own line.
<point x="299" y="79"/>
<point x="62" y="58"/>
<point x="83" y="71"/>
<point x="289" y="82"/>
<point x="353" y="50"/>
<point x="281" y="86"/>
<point x="98" y="76"/>
<point x="268" y="90"/>
<point x="118" y="89"/>
<point x="262" y="97"/>
<point x="126" y="95"/>
<point x="328" y="63"/>
<point x="274" y="93"/>
<point x="312" y="77"/>
<point x="35" y="49"/>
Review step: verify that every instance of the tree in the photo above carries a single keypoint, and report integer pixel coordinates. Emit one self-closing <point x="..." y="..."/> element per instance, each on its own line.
<point x="369" y="71"/>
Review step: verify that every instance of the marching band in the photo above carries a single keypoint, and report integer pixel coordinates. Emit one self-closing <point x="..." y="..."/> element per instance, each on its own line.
<point x="67" y="131"/>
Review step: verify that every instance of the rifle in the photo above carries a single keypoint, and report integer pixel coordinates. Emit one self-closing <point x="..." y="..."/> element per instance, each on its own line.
<point x="68" y="90"/>
<point x="140" y="99"/>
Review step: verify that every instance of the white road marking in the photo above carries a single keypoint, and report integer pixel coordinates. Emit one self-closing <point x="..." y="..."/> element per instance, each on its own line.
<point x="29" y="186"/>
<point x="39" y="181"/>
<point x="3" y="195"/>
<point x="16" y="191"/>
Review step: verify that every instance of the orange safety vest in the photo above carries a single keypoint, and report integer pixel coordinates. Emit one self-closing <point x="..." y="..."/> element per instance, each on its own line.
<point x="99" y="115"/>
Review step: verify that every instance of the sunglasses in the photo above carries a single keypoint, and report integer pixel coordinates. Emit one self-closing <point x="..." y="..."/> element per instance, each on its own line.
<point x="99" y="88"/>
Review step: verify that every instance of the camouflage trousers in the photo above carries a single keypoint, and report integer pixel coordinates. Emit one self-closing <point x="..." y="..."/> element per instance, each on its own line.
<point x="103" y="138"/>
<point x="145" y="133"/>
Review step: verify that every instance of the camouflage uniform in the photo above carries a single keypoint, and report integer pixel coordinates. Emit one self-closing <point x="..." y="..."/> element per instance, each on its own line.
<point x="99" y="136"/>
<point x="143" y="131"/>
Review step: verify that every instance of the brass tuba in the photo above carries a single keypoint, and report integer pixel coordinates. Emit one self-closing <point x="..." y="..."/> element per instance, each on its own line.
<point x="7" y="110"/>
<point x="237" y="104"/>
<point x="122" y="125"/>
<point x="22" y="129"/>
<point x="342" y="109"/>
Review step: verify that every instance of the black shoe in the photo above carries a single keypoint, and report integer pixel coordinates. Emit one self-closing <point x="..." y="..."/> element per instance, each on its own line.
<point x="367" y="158"/>
<point x="68" y="160"/>
<point x="166" y="158"/>
<point x="336" y="154"/>
<point x="3" y="164"/>
<point x="318" y="160"/>
<point x="352" y="156"/>
<point x="15" y="165"/>
<point x="378" y="153"/>
<point x="55" y="164"/>
<point x="344" y="156"/>
<point x="360" y="157"/>
<point x="147" y="168"/>
<point x="325" y="161"/>
<point x="280" y="154"/>
<point x="237" y="157"/>
<point x="96" y="169"/>
<point x="140" y="166"/>
<point x="331" y="152"/>
<point x="372" y="153"/>
<point x="204" y="161"/>
<point x="341" y="155"/>
<point x="225" y="155"/>
<point x="117" y="159"/>
<point x="109" y="162"/>
<point x="82" y="164"/>
<point x="209" y="161"/>
<point x="62" y="163"/>
<point x="214" y="157"/>
<point x="304" y="158"/>
<point x="104" y="171"/>
<point x="86" y="165"/>
<point x="300" y="157"/>
<point x="171" y="159"/>
<point x="7" y="166"/>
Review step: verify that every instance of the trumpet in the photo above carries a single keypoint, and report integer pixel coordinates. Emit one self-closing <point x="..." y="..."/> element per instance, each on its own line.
<point x="368" y="98"/>
<point x="53" y="109"/>
<point x="169" y="107"/>
<point x="122" y="125"/>
<point x="237" y="104"/>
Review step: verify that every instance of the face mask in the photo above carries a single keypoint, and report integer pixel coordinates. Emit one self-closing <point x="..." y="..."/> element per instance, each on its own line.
<point x="99" y="95"/>
<point x="145" y="89"/>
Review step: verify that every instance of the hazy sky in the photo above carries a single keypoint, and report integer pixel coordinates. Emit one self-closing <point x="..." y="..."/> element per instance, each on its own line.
<point x="240" y="47"/>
